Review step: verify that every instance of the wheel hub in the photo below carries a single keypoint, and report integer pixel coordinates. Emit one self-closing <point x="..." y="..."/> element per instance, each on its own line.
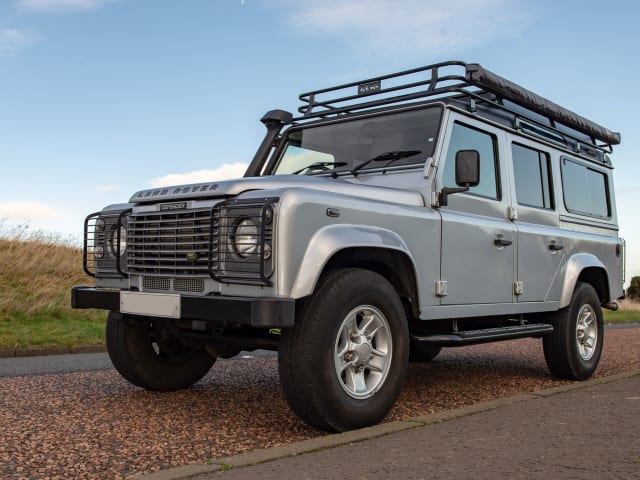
<point x="362" y="353"/>
<point x="586" y="332"/>
<point x="360" y="350"/>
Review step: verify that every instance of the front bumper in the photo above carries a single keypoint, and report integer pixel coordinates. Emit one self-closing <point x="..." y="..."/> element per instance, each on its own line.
<point x="253" y="312"/>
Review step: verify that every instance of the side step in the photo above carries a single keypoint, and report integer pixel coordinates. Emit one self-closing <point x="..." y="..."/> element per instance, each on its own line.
<point x="471" y="337"/>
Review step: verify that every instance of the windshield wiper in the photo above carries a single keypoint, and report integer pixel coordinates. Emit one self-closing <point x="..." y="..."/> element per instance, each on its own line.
<point x="388" y="157"/>
<point x="320" y="166"/>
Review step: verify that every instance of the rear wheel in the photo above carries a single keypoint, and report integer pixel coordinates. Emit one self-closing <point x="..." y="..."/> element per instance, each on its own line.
<point x="149" y="358"/>
<point x="343" y="363"/>
<point x="573" y="350"/>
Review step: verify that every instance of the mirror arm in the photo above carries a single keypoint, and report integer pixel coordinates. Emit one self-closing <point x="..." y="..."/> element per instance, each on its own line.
<point x="446" y="191"/>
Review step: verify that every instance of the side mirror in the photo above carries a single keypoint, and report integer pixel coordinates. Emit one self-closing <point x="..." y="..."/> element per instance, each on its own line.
<point x="467" y="168"/>
<point x="467" y="174"/>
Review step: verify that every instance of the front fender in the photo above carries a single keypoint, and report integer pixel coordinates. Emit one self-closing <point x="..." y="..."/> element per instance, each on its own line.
<point x="329" y="240"/>
<point x="575" y="265"/>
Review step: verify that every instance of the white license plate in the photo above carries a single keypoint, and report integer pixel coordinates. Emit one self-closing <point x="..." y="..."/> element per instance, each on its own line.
<point x="152" y="304"/>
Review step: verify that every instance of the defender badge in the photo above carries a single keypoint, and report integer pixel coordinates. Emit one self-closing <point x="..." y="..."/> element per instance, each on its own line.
<point x="173" y="206"/>
<point x="192" y="257"/>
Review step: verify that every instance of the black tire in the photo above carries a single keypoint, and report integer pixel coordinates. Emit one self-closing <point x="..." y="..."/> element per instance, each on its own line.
<point x="423" y="352"/>
<point x="573" y="350"/>
<point x="163" y="365"/>
<point x="372" y="362"/>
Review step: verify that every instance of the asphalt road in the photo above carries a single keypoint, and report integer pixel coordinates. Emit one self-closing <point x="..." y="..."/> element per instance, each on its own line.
<point x="73" y="362"/>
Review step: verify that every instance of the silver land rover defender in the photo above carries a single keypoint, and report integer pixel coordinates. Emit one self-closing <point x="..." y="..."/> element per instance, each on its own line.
<point x="437" y="207"/>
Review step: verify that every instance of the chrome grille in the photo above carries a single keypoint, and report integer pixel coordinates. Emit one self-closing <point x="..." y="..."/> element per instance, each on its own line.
<point x="169" y="243"/>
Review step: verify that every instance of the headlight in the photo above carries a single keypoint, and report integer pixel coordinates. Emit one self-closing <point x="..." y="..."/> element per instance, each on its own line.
<point x="100" y="225"/>
<point x="113" y="241"/>
<point x="246" y="238"/>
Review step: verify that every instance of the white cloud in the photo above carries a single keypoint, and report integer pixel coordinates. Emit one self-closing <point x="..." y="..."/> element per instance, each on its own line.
<point x="59" y="5"/>
<point x="423" y="28"/>
<point x="225" y="172"/>
<point x="12" y="40"/>
<point x="27" y="211"/>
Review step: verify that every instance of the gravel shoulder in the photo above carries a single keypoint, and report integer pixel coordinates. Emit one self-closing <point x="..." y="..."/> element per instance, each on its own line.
<point x="95" y="425"/>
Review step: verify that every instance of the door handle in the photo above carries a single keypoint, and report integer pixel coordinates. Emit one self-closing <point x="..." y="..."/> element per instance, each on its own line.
<point x="501" y="242"/>
<point x="554" y="247"/>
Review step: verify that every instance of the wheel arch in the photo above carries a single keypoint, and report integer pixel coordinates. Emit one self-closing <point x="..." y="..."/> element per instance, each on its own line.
<point x="355" y="246"/>
<point x="587" y="268"/>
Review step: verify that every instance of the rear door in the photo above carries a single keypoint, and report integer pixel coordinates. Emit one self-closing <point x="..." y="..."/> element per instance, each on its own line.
<point x="541" y="245"/>
<point x="478" y="238"/>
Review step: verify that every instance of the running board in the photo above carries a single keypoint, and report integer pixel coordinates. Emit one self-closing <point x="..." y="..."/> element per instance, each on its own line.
<point x="471" y="337"/>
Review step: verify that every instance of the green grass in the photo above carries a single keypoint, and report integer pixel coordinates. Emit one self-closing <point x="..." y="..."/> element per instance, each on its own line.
<point x="55" y="327"/>
<point x="621" y="317"/>
<point x="37" y="273"/>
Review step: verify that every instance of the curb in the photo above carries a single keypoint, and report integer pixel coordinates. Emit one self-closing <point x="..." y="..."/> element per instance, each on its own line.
<point x="336" y="440"/>
<point x="57" y="350"/>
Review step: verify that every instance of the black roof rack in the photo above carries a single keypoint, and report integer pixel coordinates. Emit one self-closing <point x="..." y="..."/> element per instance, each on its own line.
<point x="447" y="78"/>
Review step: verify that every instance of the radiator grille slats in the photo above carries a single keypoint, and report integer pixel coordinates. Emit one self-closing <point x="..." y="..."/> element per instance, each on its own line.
<point x="169" y="243"/>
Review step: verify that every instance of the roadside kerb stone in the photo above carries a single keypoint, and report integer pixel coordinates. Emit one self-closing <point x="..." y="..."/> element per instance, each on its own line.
<point x="469" y="410"/>
<point x="270" y="454"/>
<point x="53" y="350"/>
<point x="315" y="444"/>
<point x="577" y="385"/>
<point x="7" y="353"/>
<point x="185" y="471"/>
<point x="355" y="436"/>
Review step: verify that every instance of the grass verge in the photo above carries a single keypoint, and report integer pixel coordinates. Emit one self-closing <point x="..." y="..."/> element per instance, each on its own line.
<point x="48" y="328"/>
<point x="37" y="273"/>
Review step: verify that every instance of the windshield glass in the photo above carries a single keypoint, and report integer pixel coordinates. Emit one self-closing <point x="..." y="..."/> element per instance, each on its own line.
<point x="343" y="146"/>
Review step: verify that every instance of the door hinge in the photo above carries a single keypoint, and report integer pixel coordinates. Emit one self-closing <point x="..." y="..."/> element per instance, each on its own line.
<point x="518" y="288"/>
<point x="512" y="212"/>
<point x="441" y="288"/>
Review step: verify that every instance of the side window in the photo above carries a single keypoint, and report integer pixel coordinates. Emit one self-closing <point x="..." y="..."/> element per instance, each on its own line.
<point x="532" y="177"/>
<point x="467" y="138"/>
<point x="585" y="189"/>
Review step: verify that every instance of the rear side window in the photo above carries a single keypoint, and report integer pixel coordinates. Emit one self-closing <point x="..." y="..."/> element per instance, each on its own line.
<point x="585" y="190"/>
<point x="531" y="169"/>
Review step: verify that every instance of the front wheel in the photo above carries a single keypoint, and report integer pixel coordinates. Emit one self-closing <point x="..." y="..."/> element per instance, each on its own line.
<point x="149" y="358"/>
<point x="343" y="363"/>
<point x="573" y="350"/>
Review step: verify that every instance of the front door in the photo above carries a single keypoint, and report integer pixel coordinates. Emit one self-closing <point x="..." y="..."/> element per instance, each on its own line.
<point x="478" y="237"/>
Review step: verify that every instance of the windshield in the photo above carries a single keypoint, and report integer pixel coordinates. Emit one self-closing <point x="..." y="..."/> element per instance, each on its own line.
<point x="345" y="146"/>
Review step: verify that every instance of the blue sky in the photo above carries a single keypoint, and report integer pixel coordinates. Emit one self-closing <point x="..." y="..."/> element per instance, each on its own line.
<point x="99" y="98"/>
